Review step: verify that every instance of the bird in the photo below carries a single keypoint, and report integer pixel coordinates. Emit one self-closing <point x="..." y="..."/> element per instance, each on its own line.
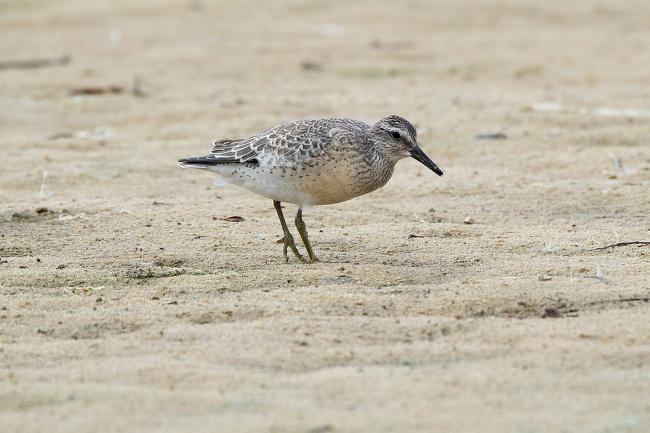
<point x="314" y="162"/>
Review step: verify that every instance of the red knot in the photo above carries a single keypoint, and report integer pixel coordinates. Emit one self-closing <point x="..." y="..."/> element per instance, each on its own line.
<point x="314" y="162"/>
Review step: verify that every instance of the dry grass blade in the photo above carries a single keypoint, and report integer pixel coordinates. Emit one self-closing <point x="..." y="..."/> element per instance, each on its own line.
<point x="34" y="63"/>
<point x="621" y="244"/>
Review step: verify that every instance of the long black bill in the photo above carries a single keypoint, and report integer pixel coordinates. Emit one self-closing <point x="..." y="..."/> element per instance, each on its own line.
<point x="420" y="156"/>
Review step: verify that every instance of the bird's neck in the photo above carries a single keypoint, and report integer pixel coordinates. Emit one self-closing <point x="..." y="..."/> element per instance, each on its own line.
<point x="383" y="155"/>
<point x="381" y="164"/>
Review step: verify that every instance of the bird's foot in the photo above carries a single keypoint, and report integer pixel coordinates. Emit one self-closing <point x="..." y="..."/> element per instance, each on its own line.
<point x="312" y="257"/>
<point x="287" y="241"/>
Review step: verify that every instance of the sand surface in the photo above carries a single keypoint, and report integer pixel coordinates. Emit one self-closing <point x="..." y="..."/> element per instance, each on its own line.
<point x="475" y="302"/>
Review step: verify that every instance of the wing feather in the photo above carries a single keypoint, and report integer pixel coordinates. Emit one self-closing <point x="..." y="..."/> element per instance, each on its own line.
<point x="289" y="143"/>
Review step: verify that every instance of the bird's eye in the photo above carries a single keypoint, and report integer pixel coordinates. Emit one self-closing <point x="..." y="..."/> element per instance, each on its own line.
<point x="395" y="135"/>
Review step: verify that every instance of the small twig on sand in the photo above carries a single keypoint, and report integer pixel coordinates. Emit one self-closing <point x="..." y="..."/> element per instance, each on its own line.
<point x="614" y="301"/>
<point x="97" y="90"/>
<point x="621" y="244"/>
<point x="34" y="63"/>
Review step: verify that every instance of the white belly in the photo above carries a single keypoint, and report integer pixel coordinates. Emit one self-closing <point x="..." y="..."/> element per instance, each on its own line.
<point x="309" y="186"/>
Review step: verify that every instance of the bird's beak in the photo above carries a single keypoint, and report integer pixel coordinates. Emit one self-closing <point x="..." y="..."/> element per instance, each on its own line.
<point x="420" y="156"/>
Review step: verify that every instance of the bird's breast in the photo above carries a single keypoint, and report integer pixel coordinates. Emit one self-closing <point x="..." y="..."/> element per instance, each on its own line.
<point x="326" y="179"/>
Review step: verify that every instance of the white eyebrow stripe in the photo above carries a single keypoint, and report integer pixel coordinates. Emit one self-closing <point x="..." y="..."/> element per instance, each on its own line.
<point x="405" y="135"/>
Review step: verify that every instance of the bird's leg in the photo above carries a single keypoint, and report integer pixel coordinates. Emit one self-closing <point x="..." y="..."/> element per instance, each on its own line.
<point x="300" y="225"/>
<point x="287" y="240"/>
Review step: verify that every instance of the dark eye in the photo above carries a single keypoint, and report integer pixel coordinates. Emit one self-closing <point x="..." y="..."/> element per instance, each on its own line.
<point x="395" y="135"/>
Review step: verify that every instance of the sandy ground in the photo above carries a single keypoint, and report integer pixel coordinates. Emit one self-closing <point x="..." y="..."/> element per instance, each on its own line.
<point x="128" y="304"/>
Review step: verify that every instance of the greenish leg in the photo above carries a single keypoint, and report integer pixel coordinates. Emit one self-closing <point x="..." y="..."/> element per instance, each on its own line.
<point x="287" y="240"/>
<point x="302" y="229"/>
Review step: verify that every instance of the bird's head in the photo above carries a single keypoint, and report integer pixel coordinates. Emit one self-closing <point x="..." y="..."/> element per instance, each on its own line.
<point x="397" y="139"/>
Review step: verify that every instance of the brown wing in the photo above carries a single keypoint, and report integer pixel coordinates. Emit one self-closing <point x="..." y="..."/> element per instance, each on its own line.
<point x="287" y="143"/>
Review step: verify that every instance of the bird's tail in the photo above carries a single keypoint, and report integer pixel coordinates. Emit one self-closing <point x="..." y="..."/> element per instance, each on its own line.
<point x="206" y="161"/>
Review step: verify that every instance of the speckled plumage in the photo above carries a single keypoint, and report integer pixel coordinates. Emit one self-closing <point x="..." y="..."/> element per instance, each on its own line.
<point x="315" y="162"/>
<point x="312" y="162"/>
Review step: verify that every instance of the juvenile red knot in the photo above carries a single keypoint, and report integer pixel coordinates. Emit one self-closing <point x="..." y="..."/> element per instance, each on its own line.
<point x="314" y="162"/>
